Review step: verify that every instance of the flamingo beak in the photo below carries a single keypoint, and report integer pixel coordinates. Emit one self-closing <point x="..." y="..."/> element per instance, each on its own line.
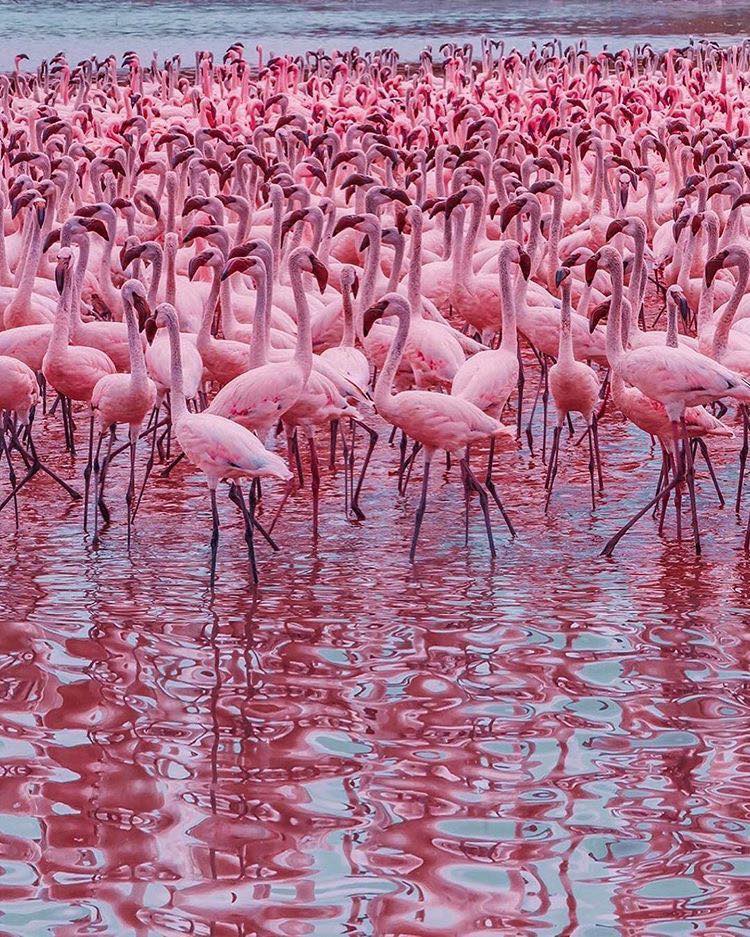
<point x="320" y="272"/>
<point x="127" y="256"/>
<point x="52" y="238"/>
<point x="524" y="262"/>
<point x="714" y="265"/>
<point x="592" y="265"/>
<point x="598" y="314"/>
<point x="143" y="309"/>
<point x="371" y="316"/>
<point x="95" y="226"/>
<point x="150" y="329"/>
<point x="197" y="262"/>
<point x="60" y="278"/>
<point x="350" y="221"/>
<point x="682" y="305"/>
<point x="234" y="265"/>
<point x="615" y="228"/>
<point x="355" y="286"/>
<point x="508" y="214"/>
<point x="560" y="275"/>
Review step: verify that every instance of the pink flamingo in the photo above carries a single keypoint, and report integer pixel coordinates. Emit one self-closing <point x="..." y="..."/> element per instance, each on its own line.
<point x="123" y="398"/>
<point x="436" y="421"/>
<point x="220" y="448"/>
<point x="73" y="370"/>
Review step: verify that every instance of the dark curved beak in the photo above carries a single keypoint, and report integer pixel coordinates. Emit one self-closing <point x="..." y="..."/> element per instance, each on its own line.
<point x="508" y="214"/>
<point x="128" y="255"/>
<point x="682" y="305"/>
<point x="355" y="286"/>
<point x="349" y="221"/>
<point x="615" y="228"/>
<point x="598" y="314"/>
<point x="150" y="329"/>
<point x="320" y="272"/>
<point x="143" y="309"/>
<point x="234" y="265"/>
<point x="60" y="278"/>
<point x="95" y="226"/>
<point x="52" y="238"/>
<point x="560" y="275"/>
<point x="199" y="231"/>
<point x="197" y="262"/>
<point x="372" y="314"/>
<point x="592" y="265"/>
<point x="714" y="265"/>
<point x="524" y="262"/>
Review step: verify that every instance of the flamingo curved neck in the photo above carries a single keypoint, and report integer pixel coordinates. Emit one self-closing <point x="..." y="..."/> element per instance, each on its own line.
<point x="303" y="351"/>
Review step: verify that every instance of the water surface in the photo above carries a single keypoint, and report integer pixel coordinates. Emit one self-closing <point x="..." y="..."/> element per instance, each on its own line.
<point x="550" y="744"/>
<point x="42" y="28"/>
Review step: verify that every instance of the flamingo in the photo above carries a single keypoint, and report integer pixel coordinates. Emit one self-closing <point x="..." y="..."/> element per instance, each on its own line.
<point x="220" y="448"/>
<point x="436" y="421"/>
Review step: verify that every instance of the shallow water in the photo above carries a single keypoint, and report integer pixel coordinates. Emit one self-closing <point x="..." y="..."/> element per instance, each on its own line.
<point x="41" y="28"/>
<point x="551" y="744"/>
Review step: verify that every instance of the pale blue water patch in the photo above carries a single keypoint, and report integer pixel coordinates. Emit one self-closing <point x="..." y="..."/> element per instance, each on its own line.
<point x="41" y="28"/>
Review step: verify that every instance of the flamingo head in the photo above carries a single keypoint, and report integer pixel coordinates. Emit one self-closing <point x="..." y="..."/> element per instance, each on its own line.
<point x="598" y="314"/>
<point x="211" y="257"/>
<point x="65" y="259"/>
<point x="249" y="264"/>
<point x="134" y="292"/>
<point x="391" y="305"/>
<point x="675" y="295"/>
<point x="561" y="275"/>
<point x="716" y="263"/>
<point x="592" y="265"/>
<point x="307" y="262"/>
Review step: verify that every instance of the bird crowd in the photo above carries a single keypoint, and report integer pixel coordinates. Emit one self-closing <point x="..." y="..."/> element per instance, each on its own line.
<point x="242" y="261"/>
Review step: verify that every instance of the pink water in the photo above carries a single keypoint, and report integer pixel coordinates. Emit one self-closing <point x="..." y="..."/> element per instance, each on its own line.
<point x="551" y="744"/>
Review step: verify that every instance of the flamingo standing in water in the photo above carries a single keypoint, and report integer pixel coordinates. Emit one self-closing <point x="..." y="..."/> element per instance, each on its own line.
<point x="575" y="389"/>
<point x="678" y="377"/>
<point x="220" y="448"/>
<point x="437" y="421"/>
<point x="123" y="398"/>
<point x="73" y="370"/>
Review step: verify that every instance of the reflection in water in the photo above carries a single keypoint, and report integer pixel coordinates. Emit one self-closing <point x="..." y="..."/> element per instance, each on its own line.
<point x="96" y="27"/>
<point x="551" y="745"/>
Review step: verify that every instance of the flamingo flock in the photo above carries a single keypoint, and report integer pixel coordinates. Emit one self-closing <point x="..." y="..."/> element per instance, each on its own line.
<point x="258" y="266"/>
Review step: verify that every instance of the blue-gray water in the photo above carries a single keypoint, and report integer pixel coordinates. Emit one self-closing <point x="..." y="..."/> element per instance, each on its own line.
<point x="40" y="28"/>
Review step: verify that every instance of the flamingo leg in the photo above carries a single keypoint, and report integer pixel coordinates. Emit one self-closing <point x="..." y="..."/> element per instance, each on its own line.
<point x="149" y="467"/>
<point x="597" y="451"/>
<point x="614" y="540"/>
<point x="130" y="494"/>
<point x="235" y="495"/>
<point x="87" y="472"/>
<point x="401" y="462"/>
<point x="552" y="465"/>
<point x="422" y="507"/>
<point x="592" y="468"/>
<point x="214" y="535"/>
<point x="314" y="484"/>
<point x="700" y="444"/>
<point x="410" y="463"/>
<point x="489" y="484"/>
<point x="690" y="472"/>
<point x="165" y="472"/>
<point x="521" y="382"/>
<point x="372" y="442"/>
<point x="103" y="476"/>
<point x="472" y="483"/>
<point x="334" y="436"/>
<point x="743" y="457"/>
<point x="545" y="404"/>
<point x="11" y="478"/>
